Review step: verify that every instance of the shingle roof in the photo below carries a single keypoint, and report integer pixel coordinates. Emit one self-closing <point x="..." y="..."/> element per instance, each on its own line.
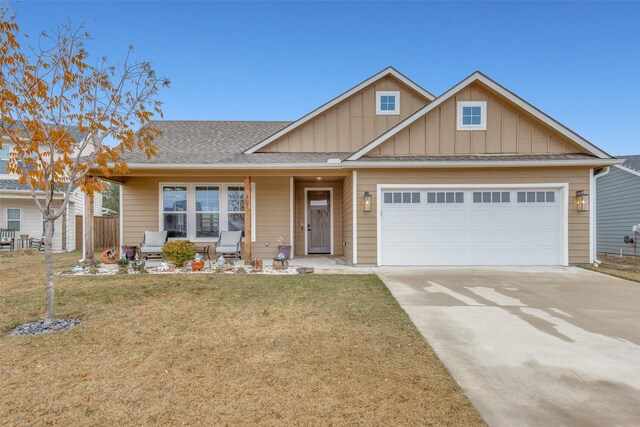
<point x="12" y="184"/>
<point x="73" y="131"/>
<point x="631" y="162"/>
<point x="208" y="142"/>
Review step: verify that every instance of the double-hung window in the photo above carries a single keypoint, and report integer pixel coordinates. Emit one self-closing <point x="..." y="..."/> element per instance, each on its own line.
<point x="4" y="160"/>
<point x="13" y="219"/>
<point x="201" y="211"/>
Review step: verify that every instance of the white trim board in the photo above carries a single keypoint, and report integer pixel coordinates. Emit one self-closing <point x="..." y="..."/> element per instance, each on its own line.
<point x="478" y="76"/>
<point x="564" y="187"/>
<point x="355" y="217"/>
<point x="292" y="216"/>
<point x="306" y="216"/>
<point x="389" y="71"/>
<point x="626" y="169"/>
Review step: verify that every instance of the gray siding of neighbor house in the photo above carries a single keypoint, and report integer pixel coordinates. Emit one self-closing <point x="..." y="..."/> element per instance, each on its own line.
<point x="617" y="210"/>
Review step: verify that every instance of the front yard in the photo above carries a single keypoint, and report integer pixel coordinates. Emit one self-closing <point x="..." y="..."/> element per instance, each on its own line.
<point x="218" y="349"/>
<point x="626" y="267"/>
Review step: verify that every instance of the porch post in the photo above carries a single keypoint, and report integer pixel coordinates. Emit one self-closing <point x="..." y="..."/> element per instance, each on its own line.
<point x="247" y="218"/>
<point x="88" y="227"/>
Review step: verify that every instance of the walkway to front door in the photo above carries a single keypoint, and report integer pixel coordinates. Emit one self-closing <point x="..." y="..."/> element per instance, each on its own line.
<point x="318" y="221"/>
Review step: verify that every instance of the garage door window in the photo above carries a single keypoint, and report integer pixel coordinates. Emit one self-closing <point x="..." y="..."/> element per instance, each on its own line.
<point x="536" y="197"/>
<point x="445" y="197"/>
<point x="399" y="198"/>
<point x="491" y="197"/>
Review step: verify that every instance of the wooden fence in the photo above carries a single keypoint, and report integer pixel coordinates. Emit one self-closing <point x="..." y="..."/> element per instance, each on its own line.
<point x="106" y="231"/>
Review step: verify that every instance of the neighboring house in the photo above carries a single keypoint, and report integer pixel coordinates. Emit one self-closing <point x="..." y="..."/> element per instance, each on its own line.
<point x="19" y="212"/>
<point x="618" y="206"/>
<point x="385" y="174"/>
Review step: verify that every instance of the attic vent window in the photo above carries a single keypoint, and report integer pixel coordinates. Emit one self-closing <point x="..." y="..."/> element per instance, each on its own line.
<point x="387" y="102"/>
<point x="472" y="115"/>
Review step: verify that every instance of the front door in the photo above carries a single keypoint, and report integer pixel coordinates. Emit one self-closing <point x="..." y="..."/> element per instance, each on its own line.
<point x="318" y="222"/>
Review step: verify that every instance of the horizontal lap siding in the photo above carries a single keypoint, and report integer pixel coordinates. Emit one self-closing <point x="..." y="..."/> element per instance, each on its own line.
<point x="141" y="209"/>
<point x="578" y="179"/>
<point x="617" y="210"/>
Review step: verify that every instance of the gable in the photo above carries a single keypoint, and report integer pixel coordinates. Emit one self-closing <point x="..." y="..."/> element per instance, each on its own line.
<point x="509" y="130"/>
<point x="350" y="124"/>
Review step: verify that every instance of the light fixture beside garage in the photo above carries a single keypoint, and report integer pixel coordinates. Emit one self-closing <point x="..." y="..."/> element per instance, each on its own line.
<point x="367" y="199"/>
<point x="582" y="201"/>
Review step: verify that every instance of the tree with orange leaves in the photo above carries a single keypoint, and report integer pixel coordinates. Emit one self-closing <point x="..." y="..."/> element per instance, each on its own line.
<point x="51" y="86"/>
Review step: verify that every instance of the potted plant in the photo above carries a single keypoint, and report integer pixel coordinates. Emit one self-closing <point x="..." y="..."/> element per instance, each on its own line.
<point x="284" y="248"/>
<point x="198" y="263"/>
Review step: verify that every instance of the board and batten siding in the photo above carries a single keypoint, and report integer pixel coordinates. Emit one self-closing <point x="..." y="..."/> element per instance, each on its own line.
<point x="509" y="131"/>
<point x="617" y="210"/>
<point x="351" y="124"/>
<point x="577" y="178"/>
<point x="141" y="204"/>
<point x="300" y="226"/>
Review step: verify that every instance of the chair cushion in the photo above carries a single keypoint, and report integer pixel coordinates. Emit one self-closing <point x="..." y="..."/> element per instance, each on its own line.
<point x="226" y="249"/>
<point x="150" y="249"/>
<point x="228" y="238"/>
<point x="155" y="238"/>
<point x="5" y="239"/>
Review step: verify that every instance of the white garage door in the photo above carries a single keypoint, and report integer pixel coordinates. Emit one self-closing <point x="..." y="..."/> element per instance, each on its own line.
<point x="517" y="226"/>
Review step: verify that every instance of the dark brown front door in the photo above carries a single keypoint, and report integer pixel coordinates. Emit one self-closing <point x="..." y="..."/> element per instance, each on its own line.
<point x="318" y="222"/>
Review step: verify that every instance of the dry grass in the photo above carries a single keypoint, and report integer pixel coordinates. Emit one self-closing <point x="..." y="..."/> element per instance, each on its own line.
<point x="625" y="267"/>
<point x="219" y="349"/>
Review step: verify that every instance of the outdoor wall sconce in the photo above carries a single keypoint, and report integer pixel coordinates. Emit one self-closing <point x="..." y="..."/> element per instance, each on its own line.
<point x="367" y="198"/>
<point x="582" y="201"/>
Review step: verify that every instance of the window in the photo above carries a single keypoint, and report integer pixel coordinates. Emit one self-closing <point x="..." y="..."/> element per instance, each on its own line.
<point x="405" y="197"/>
<point x="13" y="219"/>
<point x="207" y="211"/>
<point x="536" y="197"/>
<point x="4" y="160"/>
<point x="201" y="211"/>
<point x="491" y="197"/>
<point x="174" y="211"/>
<point x="472" y="115"/>
<point x="235" y="207"/>
<point x="388" y="102"/>
<point x="445" y="197"/>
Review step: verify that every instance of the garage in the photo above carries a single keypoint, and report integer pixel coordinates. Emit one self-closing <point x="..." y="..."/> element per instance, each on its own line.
<point x="522" y="224"/>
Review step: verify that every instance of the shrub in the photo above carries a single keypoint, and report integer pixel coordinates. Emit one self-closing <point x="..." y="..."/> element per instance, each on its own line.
<point x="122" y="262"/>
<point x="179" y="252"/>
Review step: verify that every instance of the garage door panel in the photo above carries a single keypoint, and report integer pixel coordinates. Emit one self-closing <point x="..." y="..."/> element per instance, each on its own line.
<point x="496" y="230"/>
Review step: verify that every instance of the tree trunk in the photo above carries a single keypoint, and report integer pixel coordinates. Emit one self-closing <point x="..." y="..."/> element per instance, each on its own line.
<point x="48" y="258"/>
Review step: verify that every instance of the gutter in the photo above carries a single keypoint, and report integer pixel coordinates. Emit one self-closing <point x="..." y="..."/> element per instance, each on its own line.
<point x="594" y="213"/>
<point x="334" y="165"/>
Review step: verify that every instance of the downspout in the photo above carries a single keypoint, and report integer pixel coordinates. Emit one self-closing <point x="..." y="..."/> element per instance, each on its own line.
<point x="595" y="175"/>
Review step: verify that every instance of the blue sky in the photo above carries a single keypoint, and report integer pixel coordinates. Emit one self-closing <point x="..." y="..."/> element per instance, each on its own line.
<point x="578" y="62"/>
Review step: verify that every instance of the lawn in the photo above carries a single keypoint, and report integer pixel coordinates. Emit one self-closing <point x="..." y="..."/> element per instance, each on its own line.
<point x="218" y="349"/>
<point x="626" y="267"/>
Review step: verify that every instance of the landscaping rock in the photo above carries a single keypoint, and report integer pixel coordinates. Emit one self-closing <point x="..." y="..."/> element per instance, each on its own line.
<point x="44" y="326"/>
<point x="304" y="270"/>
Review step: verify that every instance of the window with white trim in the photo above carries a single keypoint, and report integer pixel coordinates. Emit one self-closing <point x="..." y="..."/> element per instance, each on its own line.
<point x="536" y="196"/>
<point x="445" y="197"/>
<point x="472" y="115"/>
<point x="13" y="219"/>
<point x="4" y="160"/>
<point x="398" y="197"/>
<point x="201" y="211"/>
<point x="491" y="197"/>
<point x="387" y="102"/>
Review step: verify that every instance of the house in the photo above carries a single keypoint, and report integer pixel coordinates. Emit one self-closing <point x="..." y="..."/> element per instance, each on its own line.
<point x="19" y="212"/>
<point x="618" y="206"/>
<point x="384" y="174"/>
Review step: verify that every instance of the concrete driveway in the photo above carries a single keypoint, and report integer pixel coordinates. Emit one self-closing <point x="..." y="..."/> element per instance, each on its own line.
<point x="532" y="346"/>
